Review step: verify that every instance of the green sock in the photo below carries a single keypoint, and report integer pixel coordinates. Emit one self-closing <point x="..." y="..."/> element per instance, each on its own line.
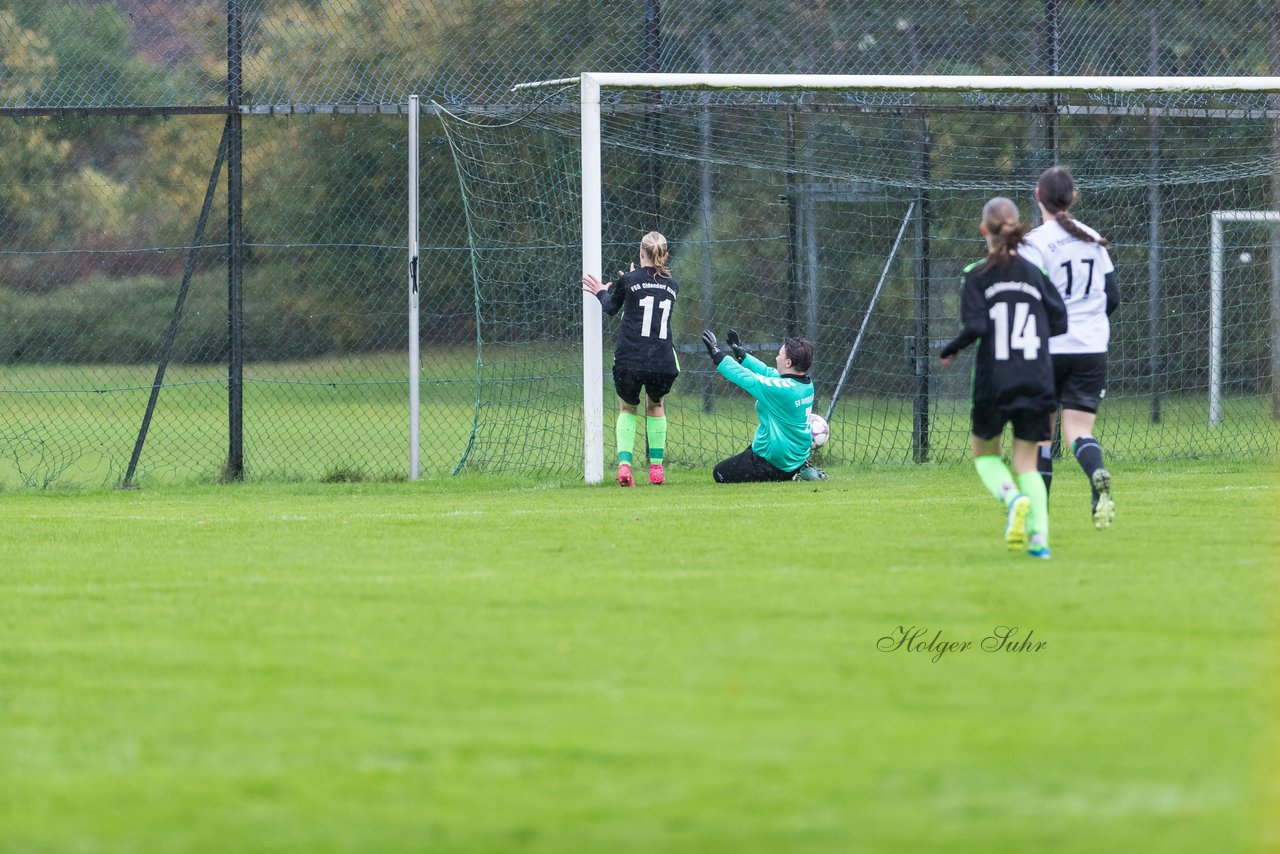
<point x="1032" y="486"/>
<point x="656" y="430"/>
<point x="626" y="434"/>
<point x="996" y="477"/>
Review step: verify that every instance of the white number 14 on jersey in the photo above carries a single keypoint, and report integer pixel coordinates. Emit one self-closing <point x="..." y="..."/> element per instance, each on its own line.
<point x="1023" y="335"/>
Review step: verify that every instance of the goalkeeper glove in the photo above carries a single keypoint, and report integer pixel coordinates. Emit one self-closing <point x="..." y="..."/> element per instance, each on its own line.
<point x="713" y="348"/>
<point x="735" y="344"/>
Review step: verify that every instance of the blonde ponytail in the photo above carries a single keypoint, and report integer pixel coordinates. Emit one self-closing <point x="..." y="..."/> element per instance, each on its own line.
<point x="1000" y="215"/>
<point x="654" y="245"/>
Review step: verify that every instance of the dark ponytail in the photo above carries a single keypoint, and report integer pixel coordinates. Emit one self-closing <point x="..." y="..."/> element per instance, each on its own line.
<point x="1057" y="192"/>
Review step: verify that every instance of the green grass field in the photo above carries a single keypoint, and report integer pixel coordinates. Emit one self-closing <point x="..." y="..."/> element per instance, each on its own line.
<point x="503" y="665"/>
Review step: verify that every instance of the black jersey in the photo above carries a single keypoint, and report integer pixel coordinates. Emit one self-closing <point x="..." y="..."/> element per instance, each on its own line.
<point x="1014" y="309"/>
<point x="647" y="301"/>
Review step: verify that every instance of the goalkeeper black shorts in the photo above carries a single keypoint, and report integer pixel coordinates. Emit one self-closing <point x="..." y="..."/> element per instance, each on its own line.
<point x="749" y="467"/>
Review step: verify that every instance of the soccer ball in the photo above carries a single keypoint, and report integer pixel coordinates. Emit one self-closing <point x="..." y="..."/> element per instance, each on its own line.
<point x="818" y="427"/>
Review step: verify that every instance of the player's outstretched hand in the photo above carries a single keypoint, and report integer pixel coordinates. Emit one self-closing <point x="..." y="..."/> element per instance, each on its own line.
<point x="592" y="284"/>
<point x="713" y="347"/>
<point x="735" y="344"/>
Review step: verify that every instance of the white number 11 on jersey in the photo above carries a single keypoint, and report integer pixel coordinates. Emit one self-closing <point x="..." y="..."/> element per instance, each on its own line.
<point x="1024" y="335"/>
<point x="646" y="328"/>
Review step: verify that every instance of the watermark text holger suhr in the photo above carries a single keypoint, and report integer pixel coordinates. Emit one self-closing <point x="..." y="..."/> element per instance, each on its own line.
<point x="919" y="639"/>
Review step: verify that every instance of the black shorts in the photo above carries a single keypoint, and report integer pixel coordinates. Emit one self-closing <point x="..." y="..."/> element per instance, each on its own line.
<point x="748" y="467"/>
<point x="1029" y="425"/>
<point x="1080" y="380"/>
<point x="628" y="384"/>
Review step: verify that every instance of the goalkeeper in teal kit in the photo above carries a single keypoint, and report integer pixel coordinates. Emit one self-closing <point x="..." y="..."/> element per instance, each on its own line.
<point x="784" y="399"/>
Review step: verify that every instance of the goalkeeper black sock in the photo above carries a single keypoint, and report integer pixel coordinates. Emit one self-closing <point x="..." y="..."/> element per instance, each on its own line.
<point x="1044" y="465"/>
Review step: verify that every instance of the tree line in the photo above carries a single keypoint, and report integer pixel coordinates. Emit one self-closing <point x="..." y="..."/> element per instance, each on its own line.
<point x="101" y="199"/>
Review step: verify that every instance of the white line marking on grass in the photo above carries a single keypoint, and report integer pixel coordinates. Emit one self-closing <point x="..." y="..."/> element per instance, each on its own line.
<point x="101" y="517"/>
<point x="1119" y="800"/>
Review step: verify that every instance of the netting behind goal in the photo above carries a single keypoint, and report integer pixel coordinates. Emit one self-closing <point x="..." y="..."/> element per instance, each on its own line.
<point x="783" y="209"/>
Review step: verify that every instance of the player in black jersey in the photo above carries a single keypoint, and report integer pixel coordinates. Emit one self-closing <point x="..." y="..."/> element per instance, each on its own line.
<point x="644" y="356"/>
<point x="1013" y="309"/>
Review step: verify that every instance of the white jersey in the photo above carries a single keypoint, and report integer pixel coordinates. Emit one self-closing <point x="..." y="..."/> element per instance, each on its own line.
<point x="1078" y="269"/>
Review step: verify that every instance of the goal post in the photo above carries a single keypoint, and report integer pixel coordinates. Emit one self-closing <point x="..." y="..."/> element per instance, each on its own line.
<point x="1216" y="252"/>
<point x="592" y="259"/>
<point x="414" y="342"/>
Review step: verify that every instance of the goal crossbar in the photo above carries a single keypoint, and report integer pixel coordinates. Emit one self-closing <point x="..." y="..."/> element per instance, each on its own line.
<point x="913" y="82"/>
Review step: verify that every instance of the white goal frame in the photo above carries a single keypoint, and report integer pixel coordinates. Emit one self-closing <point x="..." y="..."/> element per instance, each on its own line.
<point x="1216" y="248"/>
<point x="415" y="365"/>
<point x="590" y="86"/>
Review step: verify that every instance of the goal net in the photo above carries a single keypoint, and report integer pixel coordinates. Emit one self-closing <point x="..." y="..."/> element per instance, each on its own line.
<point x="844" y="209"/>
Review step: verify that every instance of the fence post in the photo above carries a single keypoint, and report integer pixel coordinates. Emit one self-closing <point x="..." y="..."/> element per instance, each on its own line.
<point x="235" y="273"/>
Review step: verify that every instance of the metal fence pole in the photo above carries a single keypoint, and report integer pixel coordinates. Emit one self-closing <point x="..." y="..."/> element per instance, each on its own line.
<point x="171" y="333"/>
<point x="234" y="469"/>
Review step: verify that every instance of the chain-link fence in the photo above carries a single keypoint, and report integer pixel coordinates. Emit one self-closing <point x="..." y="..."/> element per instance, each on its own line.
<point x="203" y="226"/>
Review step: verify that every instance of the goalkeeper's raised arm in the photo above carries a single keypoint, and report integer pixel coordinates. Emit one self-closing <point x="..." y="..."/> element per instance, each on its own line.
<point x="784" y="397"/>
<point x="744" y="358"/>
